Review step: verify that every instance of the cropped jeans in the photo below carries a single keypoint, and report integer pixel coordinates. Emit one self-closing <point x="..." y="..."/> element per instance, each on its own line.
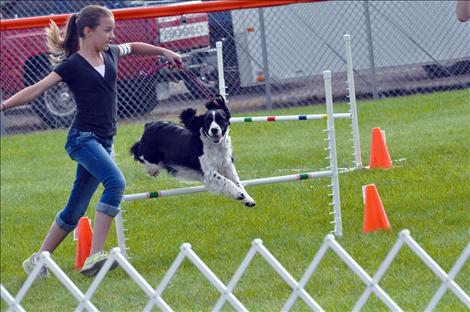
<point x="95" y="166"/>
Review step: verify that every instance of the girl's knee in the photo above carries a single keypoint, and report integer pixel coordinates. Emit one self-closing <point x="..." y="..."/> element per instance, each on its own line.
<point x="117" y="184"/>
<point x="66" y="221"/>
<point x="114" y="190"/>
<point x="121" y="184"/>
<point x="107" y="209"/>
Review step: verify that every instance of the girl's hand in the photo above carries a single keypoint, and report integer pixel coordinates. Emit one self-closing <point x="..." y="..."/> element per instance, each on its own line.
<point x="172" y="57"/>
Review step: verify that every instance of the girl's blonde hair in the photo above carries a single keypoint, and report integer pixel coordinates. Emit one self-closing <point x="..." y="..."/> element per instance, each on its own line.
<point x="62" y="47"/>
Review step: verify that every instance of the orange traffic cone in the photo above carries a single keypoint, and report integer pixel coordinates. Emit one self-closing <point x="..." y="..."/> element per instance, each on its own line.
<point x="84" y="237"/>
<point x="379" y="156"/>
<point x="375" y="217"/>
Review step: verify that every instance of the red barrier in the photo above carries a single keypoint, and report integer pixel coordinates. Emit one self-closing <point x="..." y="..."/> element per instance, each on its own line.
<point x="144" y="12"/>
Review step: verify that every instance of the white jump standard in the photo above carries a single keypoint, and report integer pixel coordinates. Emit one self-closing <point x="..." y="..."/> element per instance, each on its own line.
<point x="352" y="114"/>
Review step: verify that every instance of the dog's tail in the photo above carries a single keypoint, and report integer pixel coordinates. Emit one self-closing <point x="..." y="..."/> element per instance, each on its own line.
<point x="135" y="152"/>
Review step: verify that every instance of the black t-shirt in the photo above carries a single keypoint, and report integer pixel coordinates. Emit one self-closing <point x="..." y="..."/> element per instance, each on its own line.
<point x="95" y="95"/>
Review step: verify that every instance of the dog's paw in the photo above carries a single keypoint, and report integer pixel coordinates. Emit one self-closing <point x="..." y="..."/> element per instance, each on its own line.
<point x="153" y="173"/>
<point x="249" y="203"/>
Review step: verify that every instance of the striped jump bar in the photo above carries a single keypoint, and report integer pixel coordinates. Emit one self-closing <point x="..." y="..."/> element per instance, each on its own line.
<point x="288" y="117"/>
<point x="199" y="189"/>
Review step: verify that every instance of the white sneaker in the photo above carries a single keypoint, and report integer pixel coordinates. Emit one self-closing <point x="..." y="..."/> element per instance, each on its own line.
<point x="93" y="263"/>
<point x="30" y="263"/>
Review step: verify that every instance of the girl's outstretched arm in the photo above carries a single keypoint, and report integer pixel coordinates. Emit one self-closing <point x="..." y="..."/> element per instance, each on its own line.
<point x="32" y="92"/>
<point x="141" y="48"/>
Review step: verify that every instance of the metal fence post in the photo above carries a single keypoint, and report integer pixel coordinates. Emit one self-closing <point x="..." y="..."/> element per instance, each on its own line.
<point x="267" y="78"/>
<point x="2" y="125"/>
<point x="371" y="49"/>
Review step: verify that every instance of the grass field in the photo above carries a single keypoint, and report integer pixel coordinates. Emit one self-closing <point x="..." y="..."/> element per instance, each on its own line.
<point x="429" y="194"/>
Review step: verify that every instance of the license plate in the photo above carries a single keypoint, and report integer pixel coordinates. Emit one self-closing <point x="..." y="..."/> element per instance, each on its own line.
<point x="185" y="31"/>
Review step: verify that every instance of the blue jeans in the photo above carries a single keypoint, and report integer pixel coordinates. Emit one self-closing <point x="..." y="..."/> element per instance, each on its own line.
<point x="95" y="166"/>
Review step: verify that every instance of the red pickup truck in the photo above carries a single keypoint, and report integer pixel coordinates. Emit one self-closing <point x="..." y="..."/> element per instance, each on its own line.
<point x="24" y="61"/>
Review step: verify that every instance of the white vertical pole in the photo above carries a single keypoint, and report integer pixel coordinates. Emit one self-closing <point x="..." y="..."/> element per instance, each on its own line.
<point x="220" y="69"/>
<point x="264" y="53"/>
<point x="352" y="103"/>
<point x="333" y="160"/>
<point x="121" y="239"/>
<point x="119" y="221"/>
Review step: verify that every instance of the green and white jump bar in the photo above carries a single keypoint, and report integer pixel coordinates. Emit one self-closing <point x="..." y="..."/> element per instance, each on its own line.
<point x="247" y="183"/>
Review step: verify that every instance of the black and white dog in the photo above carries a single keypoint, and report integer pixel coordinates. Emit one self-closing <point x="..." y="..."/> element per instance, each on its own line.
<point x="199" y="151"/>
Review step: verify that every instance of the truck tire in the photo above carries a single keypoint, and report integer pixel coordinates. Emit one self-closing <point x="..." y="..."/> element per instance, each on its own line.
<point x="56" y="107"/>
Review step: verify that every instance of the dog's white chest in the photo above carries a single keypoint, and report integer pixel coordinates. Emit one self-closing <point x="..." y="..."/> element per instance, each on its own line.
<point x="216" y="156"/>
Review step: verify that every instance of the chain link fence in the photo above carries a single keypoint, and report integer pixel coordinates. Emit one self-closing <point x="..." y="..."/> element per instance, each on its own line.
<point x="273" y="56"/>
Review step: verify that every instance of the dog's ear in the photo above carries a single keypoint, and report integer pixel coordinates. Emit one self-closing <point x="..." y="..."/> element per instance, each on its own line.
<point x="224" y="107"/>
<point x="187" y="116"/>
<point x="211" y="105"/>
<point x="219" y="103"/>
<point x="148" y="124"/>
<point x="190" y="120"/>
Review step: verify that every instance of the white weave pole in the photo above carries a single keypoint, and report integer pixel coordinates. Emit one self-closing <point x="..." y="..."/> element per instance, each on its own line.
<point x="352" y="103"/>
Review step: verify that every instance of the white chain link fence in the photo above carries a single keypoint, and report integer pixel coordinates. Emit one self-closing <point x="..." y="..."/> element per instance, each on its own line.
<point x="273" y="56"/>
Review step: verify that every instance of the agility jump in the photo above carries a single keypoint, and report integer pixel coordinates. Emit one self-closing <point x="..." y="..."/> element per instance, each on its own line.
<point x="332" y="155"/>
<point x="332" y="172"/>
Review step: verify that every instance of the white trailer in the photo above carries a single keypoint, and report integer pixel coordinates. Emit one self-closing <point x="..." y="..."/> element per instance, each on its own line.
<point x="302" y="40"/>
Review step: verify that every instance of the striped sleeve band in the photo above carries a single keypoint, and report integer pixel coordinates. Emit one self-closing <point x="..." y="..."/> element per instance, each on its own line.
<point x="124" y="49"/>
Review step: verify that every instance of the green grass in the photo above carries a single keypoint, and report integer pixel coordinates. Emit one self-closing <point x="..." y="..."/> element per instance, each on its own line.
<point x="429" y="194"/>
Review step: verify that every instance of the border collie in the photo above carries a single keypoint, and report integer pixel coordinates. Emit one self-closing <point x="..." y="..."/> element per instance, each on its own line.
<point x="200" y="150"/>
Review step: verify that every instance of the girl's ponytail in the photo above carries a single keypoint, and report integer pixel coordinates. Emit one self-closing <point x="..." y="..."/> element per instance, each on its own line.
<point x="71" y="42"/>
<point x="59" y="47"/>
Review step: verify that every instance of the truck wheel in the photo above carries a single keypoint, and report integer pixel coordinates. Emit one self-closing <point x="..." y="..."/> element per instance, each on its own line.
<point x="56" y="107"/>
<point x="137" y="97"/>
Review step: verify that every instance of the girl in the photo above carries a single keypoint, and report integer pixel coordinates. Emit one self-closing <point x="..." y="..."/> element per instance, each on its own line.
<point x="88" y="65"/>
